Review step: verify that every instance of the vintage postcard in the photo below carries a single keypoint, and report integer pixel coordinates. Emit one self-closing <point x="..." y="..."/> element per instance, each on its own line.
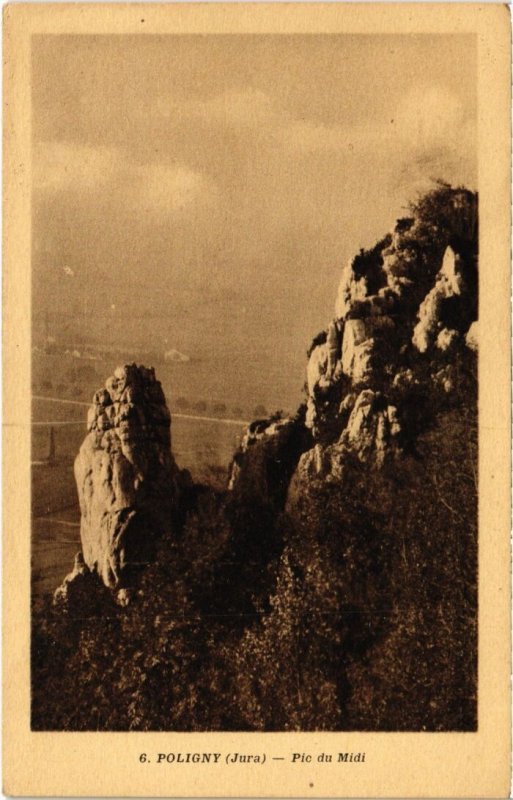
<point x="256" y="400"/>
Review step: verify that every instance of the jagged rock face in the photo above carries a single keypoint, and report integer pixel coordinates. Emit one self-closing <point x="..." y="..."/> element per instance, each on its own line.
<point x="371" y="434"/>
<point x="414" y="292"/>
<point x="372" y="429"/>
<point x="352" y="288"/>
<point x="127" y="480"/>
<point x="324" y="371"/>
<point x="267" y="457"/>
<point x="359" y="345"/>
<point x="449" y="284"/>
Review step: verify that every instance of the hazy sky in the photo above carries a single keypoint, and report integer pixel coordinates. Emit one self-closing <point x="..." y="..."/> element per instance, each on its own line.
<point x="203" y="192"/>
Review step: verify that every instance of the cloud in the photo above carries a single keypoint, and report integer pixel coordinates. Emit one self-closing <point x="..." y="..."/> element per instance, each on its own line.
<point x="165" y="188"/>
<point x="248" y="108"/>
<point x="238" y="108"/>
<point x="425" y="119"/>
<point x="429" y="116"/>
<point x="428" y="127"/>
<point x="61" y="168"/>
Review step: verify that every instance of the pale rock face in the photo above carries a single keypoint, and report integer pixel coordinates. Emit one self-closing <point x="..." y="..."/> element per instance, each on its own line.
<point x="311" y="413"/>
<point x="449" y="283"/>
<point x="472" y="337"/>
<point x="394" y="292"/>
<point x="317" y="367"/>
<point x="358" y="345"/>
<point x="333" y="343"/>
<point x="347" y="403"/>
<point x="126" y="477"/>
<point x="355" y="334"/>
<point x="360" y="365"/>
<point x="359" y="361"/>
<point x="350" y="289"/>
<point x="323" y="369"/>
<point x="370" y="430"/>
<point x="357" y="349"/>
<point x="371" y="433"/>
<point x="450" y="272"/>
<point x="446" y="339"/>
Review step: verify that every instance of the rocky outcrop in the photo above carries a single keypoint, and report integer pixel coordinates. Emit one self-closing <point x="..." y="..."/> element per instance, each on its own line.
<point x="405" y="311"/>
<point x="414" y="293"/>
<point x="449" y="284"/>
<point x="360" y="345"/>
<point x="267" y="457"/>
<point x="127" y="480"/>
<point x="371" y="434"/>
<point x="373" y="428"/>
<point x="337" y="573"/>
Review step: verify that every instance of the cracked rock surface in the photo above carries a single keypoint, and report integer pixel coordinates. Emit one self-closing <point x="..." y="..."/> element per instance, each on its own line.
<point x="127" y="479"/>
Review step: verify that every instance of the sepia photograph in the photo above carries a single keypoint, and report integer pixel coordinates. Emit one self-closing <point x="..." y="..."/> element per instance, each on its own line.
<point x="254" y="375"/>
<point x="256" y="384"/>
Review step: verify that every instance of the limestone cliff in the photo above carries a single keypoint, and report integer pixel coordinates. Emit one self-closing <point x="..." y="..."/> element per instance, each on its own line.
<point x="403" y="308"/>
<point x="404" y="314"/>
